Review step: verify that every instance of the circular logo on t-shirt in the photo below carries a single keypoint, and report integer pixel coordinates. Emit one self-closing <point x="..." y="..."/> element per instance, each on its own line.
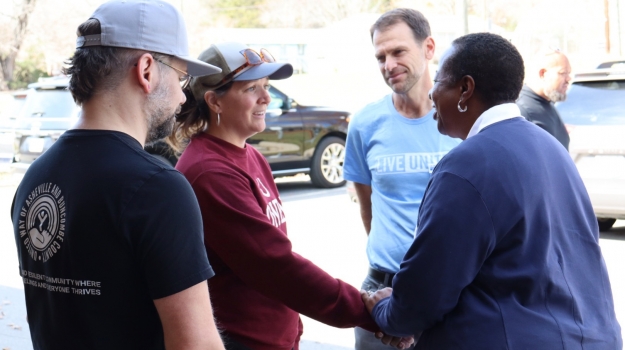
<point x="42" y="222"/>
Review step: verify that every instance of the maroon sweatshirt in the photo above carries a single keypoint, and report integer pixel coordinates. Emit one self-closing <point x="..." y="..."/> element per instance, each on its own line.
<point x="260" y="284"/>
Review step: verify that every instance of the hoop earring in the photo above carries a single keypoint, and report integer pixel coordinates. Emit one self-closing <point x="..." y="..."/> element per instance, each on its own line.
<point x="460" y="108"/>
<point x="218" y="119"/>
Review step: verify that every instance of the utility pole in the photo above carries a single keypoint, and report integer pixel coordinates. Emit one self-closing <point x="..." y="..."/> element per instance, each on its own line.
<point x="606" y="5"/>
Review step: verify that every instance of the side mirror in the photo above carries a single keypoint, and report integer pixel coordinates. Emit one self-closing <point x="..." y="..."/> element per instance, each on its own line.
<point x="290" y="103"/>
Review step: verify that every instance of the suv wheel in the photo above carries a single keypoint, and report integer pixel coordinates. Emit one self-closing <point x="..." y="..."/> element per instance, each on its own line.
<point x="327" y="164"/>
<point x="605" y="224"/>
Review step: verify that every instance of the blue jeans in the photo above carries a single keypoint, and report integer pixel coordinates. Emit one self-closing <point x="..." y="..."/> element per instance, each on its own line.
<point x="366" y="340"/>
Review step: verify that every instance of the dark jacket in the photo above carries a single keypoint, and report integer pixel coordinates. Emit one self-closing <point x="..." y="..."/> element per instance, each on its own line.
<point x="506" y="254"/>
<point x="542" y="113"/>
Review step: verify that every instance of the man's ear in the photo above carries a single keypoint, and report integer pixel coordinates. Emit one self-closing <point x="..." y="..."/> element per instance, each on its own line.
<point x="428" y="47"/>
<point x="541" y="72"/>
<point x="213" y="102"/>
<point x="146" y="72"/>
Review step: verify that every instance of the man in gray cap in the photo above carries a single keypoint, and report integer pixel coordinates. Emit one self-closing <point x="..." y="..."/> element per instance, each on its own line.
<point x="110" y="239"/>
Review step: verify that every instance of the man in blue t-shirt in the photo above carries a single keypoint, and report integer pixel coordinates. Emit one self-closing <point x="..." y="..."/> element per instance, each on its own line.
<point x="392" y="146"/>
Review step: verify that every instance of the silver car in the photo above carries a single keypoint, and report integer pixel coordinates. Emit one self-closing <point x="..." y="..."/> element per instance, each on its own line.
<point x="48" y="112"/>
<point x="40" y="115"/>
<point x="594" y="113"/>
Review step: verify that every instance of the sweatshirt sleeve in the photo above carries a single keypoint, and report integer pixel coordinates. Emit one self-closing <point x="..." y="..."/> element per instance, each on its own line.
<point x="260" y="254"/>
<point x="455" y="236"/>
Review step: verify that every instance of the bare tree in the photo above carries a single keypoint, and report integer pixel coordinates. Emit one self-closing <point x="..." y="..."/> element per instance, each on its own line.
<point x="14" y="39"/>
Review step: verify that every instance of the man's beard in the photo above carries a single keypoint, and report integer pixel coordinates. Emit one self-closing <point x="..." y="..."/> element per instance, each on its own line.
<point x="160" y="122"/>
<point x="555" y="96"/>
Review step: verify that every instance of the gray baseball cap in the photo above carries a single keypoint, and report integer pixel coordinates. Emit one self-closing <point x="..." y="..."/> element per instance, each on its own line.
<point x="229" y="57"/>
<point x="150" y="25"/>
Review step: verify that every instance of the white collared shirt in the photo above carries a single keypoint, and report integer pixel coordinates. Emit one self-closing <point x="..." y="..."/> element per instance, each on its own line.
<point x="494" y="115"/>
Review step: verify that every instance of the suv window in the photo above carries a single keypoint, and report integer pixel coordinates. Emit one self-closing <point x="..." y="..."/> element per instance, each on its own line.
<point x="49" y="104"/>
<point x="594" y="103"/>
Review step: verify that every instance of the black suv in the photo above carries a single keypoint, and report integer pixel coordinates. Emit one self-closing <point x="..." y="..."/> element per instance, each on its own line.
<point x="297" y="139"/>
<point x="303" y="139"/>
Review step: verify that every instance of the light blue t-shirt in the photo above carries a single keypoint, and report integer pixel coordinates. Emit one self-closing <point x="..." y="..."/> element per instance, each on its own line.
<point x="395" y="156"/>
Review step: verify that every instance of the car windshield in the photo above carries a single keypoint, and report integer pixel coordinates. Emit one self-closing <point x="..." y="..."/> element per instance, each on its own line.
<point x="49" y="104"/>
<point x="594" y="103"/>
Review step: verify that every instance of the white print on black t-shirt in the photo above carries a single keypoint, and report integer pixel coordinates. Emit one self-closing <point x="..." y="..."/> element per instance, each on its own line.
<point x="262" y="188"/>
<point x="61" y="285"/>
<point x="407" y="163"/>
<point x="275" y="213"/>
<point x="42" y="222"/>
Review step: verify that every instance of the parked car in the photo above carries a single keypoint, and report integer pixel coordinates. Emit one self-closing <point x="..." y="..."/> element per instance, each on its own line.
<point x="48" y="110"/>
<point x="303" y="139"/>
<point x="8" y="118"/>
<point x="45" y="111"/>
<point x="594" y="115"/>
<point x="297" y="139"/>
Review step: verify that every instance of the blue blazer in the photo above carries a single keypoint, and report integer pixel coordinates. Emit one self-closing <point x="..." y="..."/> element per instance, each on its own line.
<point x="506" y="254"/>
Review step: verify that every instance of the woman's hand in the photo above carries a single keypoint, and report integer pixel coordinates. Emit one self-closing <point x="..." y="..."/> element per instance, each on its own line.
<point x="371" y="299"/>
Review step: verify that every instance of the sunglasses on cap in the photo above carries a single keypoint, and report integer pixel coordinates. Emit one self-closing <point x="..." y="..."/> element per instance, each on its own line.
<point x="252" y="58"/>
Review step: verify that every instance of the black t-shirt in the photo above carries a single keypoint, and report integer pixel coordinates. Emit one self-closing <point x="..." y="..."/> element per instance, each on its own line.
<point x="103" y="228"/>
<point x="542" y="113"/>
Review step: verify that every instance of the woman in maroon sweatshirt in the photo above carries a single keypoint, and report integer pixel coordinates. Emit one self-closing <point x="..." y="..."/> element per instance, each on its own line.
<point x="260" y="284"/>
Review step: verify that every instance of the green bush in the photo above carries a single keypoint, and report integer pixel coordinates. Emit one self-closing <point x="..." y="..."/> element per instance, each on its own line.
<point x="26" y="72"/>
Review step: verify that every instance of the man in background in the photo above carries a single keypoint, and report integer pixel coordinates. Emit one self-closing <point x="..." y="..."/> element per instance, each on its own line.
<point x="109" y="239"/>
<point x="392" y="146"/>
<point x="547" y="83"/>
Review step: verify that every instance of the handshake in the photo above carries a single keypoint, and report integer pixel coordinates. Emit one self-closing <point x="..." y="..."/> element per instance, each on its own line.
<point x="371" y="298"/>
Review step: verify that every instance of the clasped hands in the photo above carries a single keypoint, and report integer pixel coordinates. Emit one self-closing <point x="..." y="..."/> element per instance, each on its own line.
<point x="371" y="299"/>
